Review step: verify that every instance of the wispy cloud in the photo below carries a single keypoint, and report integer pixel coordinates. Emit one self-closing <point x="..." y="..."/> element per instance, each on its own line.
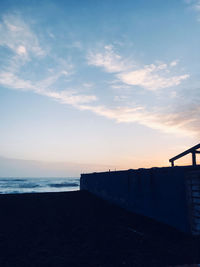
<point x="26" y="49"/>
<point x="194" y="5"/>
<point x="180" y="122"/>
<point x="12" y="81"/>
<point x="170" y="123"/>
<point x="108" y="60"/>
<point x="150" y="77"/>
<point x="17" y="35"/>
<point x="43" y="87"/>
<point x="70" y="97"/>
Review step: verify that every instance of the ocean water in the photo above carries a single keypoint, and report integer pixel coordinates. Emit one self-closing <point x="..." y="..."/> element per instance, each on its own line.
<point x="34" y="185"/>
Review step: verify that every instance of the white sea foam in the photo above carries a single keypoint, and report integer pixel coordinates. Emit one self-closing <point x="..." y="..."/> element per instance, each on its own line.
<point x="33" y="185"/>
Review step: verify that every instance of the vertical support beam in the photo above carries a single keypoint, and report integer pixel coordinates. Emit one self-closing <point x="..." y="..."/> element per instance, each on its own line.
<point x="172" y="162"/>
<point x="194" y="159"/>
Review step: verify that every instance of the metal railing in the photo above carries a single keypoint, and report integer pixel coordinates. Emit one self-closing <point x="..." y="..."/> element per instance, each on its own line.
<point x="193" y="150"/>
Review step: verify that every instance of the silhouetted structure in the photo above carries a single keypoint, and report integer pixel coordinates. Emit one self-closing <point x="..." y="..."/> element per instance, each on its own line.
<point x="193" y="150"/>
<point x="169" y="195"/>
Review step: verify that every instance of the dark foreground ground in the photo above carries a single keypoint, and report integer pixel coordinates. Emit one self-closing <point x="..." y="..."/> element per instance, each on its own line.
<point x="78" y="229"/>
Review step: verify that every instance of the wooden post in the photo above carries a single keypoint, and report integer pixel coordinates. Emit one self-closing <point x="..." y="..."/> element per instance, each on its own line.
<point x="194" y="159"/>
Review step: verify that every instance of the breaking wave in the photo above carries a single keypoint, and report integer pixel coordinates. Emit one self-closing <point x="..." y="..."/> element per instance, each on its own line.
<point x="12" y="180"/>
<point x="64" y="184"/>
<point x="29" y="185"/>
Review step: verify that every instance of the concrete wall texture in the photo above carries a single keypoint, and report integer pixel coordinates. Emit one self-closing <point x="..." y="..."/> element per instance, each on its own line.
<point x="159" y="193"/>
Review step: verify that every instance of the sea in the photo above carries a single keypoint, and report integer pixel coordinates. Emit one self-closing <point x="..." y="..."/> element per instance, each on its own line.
<point x="17" y="185"/>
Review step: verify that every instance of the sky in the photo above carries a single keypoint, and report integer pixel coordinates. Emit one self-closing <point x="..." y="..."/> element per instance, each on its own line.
<point x="96" y="85"/>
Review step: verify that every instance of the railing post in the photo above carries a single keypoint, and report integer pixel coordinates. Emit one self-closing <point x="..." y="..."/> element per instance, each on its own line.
<point x="194" y="159"/>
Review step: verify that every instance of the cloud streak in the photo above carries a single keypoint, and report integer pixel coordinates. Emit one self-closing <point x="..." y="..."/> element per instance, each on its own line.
<point x="109" y="60"/>
<point x="168" y="123"/>
<point x="194" y="5"/>
<point x="151" y="77"/>
<point x="26" y="49"/>
<point x="43" y="88"/>
<point x="178" y="123"/>
<point x="17" y="35"/>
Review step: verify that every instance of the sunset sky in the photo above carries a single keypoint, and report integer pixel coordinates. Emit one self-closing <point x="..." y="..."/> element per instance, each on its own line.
<point x="97" y="85"/>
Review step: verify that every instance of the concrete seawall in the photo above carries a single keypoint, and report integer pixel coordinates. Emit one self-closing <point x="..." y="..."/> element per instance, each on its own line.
<point x="170" y="195"/>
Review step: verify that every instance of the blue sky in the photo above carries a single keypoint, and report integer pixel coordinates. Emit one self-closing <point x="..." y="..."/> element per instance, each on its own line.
<point x="99" y="84"/>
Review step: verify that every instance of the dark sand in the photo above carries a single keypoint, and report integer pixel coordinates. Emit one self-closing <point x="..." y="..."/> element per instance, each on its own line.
<point x="78" y="229"/>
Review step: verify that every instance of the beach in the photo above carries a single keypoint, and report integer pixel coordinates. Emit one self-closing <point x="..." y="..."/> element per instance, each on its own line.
<point x="79" y="229"/>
